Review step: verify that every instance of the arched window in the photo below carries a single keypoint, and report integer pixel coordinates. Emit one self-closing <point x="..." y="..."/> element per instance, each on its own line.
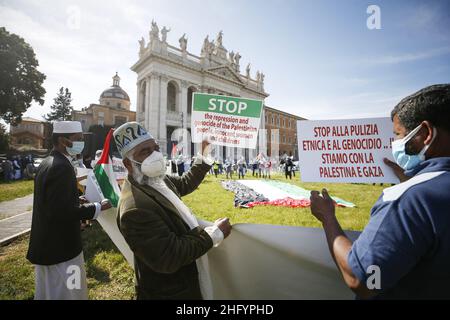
<point x="190" y="94"/>
<point x="171" y="96"/>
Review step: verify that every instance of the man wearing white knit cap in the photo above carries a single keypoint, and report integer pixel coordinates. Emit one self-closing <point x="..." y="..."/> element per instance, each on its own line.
<point x="168" y="243"/>
<point x="55" y="241"/>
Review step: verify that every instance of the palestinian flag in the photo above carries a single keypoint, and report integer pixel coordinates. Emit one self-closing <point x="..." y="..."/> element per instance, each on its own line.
<point x="105" y="176"/>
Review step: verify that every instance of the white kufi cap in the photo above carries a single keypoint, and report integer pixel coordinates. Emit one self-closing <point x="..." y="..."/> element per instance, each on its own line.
<point x="67" y="127"/>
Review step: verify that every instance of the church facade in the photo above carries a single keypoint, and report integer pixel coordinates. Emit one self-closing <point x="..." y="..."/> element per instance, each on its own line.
<point x="167" y="77"/>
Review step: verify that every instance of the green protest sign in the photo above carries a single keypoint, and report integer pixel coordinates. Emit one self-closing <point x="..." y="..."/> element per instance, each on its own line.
<point x="231" y="121"/>
<point x="227" y="105"/>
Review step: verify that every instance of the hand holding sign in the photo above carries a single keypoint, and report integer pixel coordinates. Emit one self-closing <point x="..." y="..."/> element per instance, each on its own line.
<point x="230" y="121"/>
<point x="322" y="206"/>
<point x="106" y="204"/>
<point x="206" y="146"/>
<point x="398" y="171"/>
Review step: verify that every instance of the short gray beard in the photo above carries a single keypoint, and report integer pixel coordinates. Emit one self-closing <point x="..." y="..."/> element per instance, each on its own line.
<point x="142" y="179"/>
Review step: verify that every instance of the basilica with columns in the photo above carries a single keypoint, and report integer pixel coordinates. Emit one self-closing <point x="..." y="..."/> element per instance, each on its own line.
<point x="168" y="75"/>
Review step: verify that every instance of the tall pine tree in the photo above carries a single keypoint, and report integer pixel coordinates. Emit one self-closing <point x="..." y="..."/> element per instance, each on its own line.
<point x="62" y="110"/>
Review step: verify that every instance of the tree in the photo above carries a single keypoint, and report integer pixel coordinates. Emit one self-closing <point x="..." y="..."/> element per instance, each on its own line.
<point x="4" y="139"/>
<point x="62" y="110"/>
<point x="20" y="81"/>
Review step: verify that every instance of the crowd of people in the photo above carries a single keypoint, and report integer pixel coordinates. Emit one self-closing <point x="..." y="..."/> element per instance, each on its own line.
<point x="259" y="167"/>
<point x="17" y="168"/>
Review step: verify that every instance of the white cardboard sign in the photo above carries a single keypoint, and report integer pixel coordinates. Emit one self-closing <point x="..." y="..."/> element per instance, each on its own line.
<point x="345" y="150"/>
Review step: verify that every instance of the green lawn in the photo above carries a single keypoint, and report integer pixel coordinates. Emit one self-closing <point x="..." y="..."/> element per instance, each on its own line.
<point x="110" y="277"/>
<point x="15" y="189"/>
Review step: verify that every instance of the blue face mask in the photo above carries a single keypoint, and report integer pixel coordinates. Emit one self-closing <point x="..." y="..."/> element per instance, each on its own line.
<point x="77" y="148"/>
<point x="409" y="161"/>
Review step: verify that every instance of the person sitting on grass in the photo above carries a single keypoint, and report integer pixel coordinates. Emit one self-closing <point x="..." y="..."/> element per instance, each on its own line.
<point x="404" y="251"/>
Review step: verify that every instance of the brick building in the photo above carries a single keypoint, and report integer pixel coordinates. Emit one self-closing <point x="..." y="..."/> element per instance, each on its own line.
<point x="281" y="132"/>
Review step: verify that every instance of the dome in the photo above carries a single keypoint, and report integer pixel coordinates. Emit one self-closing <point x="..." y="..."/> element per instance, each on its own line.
<point x="115" y="92"/>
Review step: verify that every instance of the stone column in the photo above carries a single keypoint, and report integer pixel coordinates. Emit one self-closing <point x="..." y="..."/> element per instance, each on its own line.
<point x="262" y="136"/>
<point x="184" y="109"/>
<point x="153" y="106"/>
<point x="147" y="102"/>
<point x="184" y="102"/>
<point x="162" y="126"/>
<point x="139" y="115"/>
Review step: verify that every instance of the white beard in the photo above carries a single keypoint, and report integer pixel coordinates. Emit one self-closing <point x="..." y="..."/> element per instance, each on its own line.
<point x="142" y="179"/>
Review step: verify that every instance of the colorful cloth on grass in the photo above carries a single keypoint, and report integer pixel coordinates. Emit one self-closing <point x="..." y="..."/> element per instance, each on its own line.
<point x="248" y="194"/>
<point x="243" y="196"/>
<point x="286" y="202"/>
<point x="304" y="193"/>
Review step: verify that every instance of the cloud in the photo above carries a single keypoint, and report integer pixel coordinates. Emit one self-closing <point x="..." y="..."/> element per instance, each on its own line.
<point x="82" y="59"/>
<point x="405" y="57"/>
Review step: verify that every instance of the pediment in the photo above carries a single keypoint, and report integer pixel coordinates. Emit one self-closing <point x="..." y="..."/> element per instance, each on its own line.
<point x="225" y="72"/>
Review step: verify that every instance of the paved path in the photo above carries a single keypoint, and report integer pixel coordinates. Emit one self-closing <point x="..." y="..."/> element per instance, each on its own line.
<point x="11" y="228"/>
<point x="16" y="206"/>
<point x="15" y="218"/>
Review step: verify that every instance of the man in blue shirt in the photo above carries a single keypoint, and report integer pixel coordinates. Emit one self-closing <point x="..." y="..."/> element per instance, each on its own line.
<point x="404" y="251"/>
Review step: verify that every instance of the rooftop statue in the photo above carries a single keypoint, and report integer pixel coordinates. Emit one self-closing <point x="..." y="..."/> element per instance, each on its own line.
<point x="154" y="33"/>
<point x="183" y="42"/>
<point x="142" y="44"/>
<point x="164" y="33"/>
<point x="219" y="39"/>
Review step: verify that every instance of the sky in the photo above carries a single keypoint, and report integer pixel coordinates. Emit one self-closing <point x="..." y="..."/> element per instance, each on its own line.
<point x="320" y="59"/>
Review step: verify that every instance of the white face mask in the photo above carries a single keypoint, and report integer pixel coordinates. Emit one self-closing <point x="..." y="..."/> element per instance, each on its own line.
<point x="154" y="165"/>
<point x="76" y="148"/>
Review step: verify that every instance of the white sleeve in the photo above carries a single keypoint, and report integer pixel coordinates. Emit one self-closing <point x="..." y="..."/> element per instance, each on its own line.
<point x="204" y="223"/>
<point x="216" y="234"/>
<point x="98" y="209"/>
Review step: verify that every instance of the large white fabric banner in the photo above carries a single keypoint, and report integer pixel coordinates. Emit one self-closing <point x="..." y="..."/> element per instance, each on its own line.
<point x="276" y="262"/>
<point x="257" y="261"/>
<point x="108" y="218"/>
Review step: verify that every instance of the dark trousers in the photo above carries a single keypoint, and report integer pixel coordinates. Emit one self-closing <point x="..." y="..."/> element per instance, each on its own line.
<point x="289" y="174"/>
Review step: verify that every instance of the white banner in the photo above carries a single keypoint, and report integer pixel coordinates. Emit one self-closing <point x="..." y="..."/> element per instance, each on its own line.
<point x="264" y="262"/>
<point x="108" y="218"/>
<point x="345" y="150"/>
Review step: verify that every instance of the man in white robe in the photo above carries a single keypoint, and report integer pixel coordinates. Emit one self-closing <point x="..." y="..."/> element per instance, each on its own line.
<point x="55" y="241"/>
